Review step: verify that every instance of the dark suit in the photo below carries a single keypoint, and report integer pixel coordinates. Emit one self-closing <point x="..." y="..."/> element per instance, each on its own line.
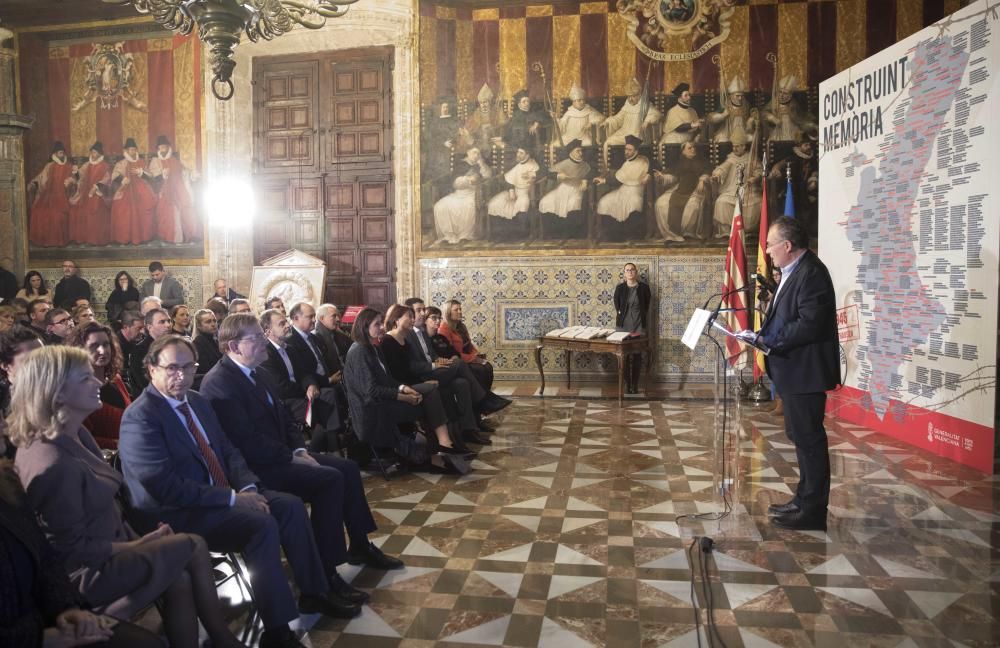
<point x="209" y="354"/>
<point x="801" y="330"/>
<point x="137" y="376"/>
<point x="70" y="289"/>
<point x="304" y="359"/>
<point x="328" y="343"/>
<point x="372" y="394"/>
<point x="259" y="425"/>
<point x="335" y="340"/>
<point x="327" y="410"/>
<point x="168" y="479"/>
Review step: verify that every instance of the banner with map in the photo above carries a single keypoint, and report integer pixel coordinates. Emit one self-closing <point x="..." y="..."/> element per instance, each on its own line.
<point x="908" y="222"/>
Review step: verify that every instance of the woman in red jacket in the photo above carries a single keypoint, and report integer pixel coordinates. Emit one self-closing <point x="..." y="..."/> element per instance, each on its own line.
<point x="101" y="344"/>
<point x="455" y="331"/>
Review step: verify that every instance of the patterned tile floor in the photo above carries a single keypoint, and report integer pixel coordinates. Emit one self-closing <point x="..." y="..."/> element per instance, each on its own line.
<point x="566" y="535"/>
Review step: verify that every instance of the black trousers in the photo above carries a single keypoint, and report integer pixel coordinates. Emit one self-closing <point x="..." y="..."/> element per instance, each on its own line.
<point x="337" y="498"/>
<point x="260" y="537"/>
<point x="804" y="427"/>
<point x="483" y="373"/>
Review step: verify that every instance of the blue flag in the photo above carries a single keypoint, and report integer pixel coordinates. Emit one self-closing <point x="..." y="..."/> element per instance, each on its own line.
<point x="789" y="199"/>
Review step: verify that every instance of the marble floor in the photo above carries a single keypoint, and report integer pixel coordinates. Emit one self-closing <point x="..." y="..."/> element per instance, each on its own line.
<point x="567" y="535"/>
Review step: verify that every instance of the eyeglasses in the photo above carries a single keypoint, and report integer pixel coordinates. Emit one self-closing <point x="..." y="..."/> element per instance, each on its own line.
<point x="173" y="370"/>
<point x="63" y="321"/>
<point x="771" y="245"/>
<point x="256" y="337"/>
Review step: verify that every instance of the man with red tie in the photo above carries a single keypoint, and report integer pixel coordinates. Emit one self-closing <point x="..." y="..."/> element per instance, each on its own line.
<point x="181" y="469"/>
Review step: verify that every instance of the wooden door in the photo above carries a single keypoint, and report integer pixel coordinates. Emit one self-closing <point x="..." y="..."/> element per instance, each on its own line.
<point x="324" y="175"/>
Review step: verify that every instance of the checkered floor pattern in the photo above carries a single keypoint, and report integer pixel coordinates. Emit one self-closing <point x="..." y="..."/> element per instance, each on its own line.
<point x="566" y="535"/>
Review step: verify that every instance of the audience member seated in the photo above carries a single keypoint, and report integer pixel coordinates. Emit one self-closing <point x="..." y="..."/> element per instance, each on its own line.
<point x="34" y="287"/>
<point x="454" y="330"/>
<point x="328" y="330"/>
<point x="71" y="287"/>
<point x="122" y="297"/>
<point x="255" y="420"/>
<point x="21" y="316"/>
<point x="224" y="292"/>
<point x="37" y="311"/>
<point x="219" y="307"/>
<point x="455" y="396"/>
<point x="130" y="336"/>
<point x="238" y="306"/>
<point x="40" y="605"/>
<point x="157" y="324"/>
<point x="101" y="344"/>
<point x="8" y="317"/>
<point x="309" y="353"/>
<point x="325" y="406"/>
<point x="206" y="341"/>
<point x="432" y="324"/>
<point x="82" y="315"/>
<point x="428" y="365"/>
<point x="58" y="325"/>
<point x="149" y="303"/>
<point x="15" y="345"/>
<point x="182" y="470"/>
<point x="379" y="403"/>
<point x="72" y="491"/>
<point x="181" y="317"/>
<point x="276" y="303"/>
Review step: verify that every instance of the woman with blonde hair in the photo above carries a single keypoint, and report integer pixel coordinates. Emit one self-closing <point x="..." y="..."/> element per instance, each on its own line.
<point x="72" y="491"/>
<point x="454" y="330"/>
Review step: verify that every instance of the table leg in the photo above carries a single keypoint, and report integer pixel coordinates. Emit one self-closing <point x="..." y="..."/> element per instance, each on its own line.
<point x="541" y="372"/>
<point x="621" y="376"/>
<point x="569" y="364"/>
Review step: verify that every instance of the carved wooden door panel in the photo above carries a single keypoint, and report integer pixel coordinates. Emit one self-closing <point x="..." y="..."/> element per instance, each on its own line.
<point x="323" y="167"/>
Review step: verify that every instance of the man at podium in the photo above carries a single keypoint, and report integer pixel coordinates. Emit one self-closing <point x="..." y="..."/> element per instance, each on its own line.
<point x="804" y="363"/>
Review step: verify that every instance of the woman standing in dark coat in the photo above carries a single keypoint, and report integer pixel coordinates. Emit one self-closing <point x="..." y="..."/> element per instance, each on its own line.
<point x="632" y="299"/>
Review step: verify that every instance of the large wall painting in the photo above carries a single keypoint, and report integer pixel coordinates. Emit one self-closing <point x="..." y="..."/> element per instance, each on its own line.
<point x="573" y="127"/>
<point x="113" y="160"/>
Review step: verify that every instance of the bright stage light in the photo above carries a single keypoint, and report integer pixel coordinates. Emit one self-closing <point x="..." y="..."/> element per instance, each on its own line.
<point x="230" y="203"/>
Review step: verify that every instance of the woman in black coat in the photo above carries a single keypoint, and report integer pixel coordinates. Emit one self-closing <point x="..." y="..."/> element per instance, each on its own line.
<point x="379" y="403"/>
<point x="123" y="294"/>
<point x="632" y="298"/>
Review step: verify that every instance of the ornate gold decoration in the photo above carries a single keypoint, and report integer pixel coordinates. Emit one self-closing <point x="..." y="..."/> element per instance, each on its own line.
<point x="109" y="76"/>
<point x="654" y="26"/>
<point x="221" y="22"/>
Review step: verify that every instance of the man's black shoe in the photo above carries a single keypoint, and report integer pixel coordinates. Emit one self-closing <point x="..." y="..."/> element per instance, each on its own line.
<point x="783" y="509"/>
<point x="344" y="590"/>
<point x="331" y="606"/>
<point x="280" y="638"/>
<point x="800" y="522"/>
<point x="372" y="556"/>
<point x="492" y="403"/>
<point x="486" y="426"/>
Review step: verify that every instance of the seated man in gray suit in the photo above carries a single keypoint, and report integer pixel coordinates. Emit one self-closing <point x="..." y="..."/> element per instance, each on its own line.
<point x="182" y="470"/>
<point x="163" y="286"/>
<point x="425" y="363"/>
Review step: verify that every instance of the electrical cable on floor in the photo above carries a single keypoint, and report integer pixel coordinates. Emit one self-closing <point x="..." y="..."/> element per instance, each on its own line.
<point x="705" y="546"/>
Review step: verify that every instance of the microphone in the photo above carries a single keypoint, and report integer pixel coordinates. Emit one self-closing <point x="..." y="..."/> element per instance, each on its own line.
<point x="764" y="281"/>
<point x="746" y="288"/>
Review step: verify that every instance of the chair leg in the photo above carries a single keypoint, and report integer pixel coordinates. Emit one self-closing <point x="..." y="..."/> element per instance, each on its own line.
<point x="378" y="460"/>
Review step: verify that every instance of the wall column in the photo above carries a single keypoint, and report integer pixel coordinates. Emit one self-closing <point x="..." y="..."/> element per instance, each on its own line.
<point x="13" y="207"/>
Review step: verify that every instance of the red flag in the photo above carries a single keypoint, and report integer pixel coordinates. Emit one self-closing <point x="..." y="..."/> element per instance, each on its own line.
<point x="735" y="277"/>
<point x="763" y="268"/>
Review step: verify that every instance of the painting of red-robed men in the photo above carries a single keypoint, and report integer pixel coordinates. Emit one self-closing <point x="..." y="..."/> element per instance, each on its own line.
<point x="109" y="203"/>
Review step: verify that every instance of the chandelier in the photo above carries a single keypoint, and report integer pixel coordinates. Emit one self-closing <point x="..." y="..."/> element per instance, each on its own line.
<point x="220" y="23"/>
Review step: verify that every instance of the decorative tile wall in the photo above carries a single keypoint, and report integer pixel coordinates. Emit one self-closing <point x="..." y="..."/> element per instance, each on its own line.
<point x="509" y="301"/>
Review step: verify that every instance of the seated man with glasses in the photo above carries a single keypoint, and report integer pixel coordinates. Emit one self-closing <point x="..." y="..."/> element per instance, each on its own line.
<point x="58" y="325"/>
<point x="181" y="469"/>
<point x="249" y="408"/>
<point x="158" y="324"/>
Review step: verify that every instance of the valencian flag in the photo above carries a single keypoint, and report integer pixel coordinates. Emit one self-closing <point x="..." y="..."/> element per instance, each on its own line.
<point x="736" y="319"/>
<point x="763" y="269"/>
